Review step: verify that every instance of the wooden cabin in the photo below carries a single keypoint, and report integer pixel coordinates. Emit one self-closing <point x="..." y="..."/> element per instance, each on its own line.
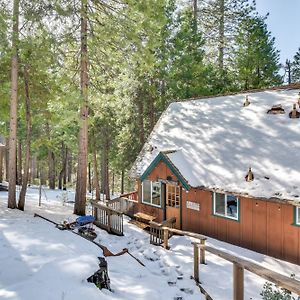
<point x="227" y="170"/>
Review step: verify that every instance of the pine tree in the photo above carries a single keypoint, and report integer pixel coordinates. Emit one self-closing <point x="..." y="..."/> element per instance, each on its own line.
<point x="288" y="71"/>
<point x="257" y="60"/>
<point x="187" y="70"/>
<point x="219" y="21"/>
<point x="296" y="67"/>
<point x="80" y="195"/>
<point x="12" y="203"/>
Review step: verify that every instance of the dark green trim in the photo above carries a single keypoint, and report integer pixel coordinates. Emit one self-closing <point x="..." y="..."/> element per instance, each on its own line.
<point x="224" y="217"/>
<point x="295" y="217"/>
<point x="162" y="157"/>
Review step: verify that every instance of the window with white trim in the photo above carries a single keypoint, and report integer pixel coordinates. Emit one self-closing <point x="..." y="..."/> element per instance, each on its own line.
<point x="297" y="221"/>
<point x="226" y="206"/>
<point x="151" y="192"/>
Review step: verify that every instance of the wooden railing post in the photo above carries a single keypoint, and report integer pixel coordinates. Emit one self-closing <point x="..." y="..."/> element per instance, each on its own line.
<point x="166" y="238"/>
<point x="238" y="282"/>
<point x="196" y="262"/>
<point x="202" y="251"/>
<point x="108" y="220"/>
<point x="95" y="213"/>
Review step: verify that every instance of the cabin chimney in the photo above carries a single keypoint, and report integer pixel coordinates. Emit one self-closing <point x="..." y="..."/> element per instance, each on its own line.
<point x="250" y="176"/>
<point x="247" y="102"/>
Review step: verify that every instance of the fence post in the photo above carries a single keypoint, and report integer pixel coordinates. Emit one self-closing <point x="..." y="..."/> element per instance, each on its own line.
<point x="108" y="220"/>
<point x="166" y="238"/>
<point x="196" y="262"/>
<point x="202" y="251"/>
<point x="95" y="215"/>
<point x="238" y="282"/>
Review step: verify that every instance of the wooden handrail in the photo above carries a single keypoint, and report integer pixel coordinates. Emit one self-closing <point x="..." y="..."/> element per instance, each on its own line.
<point x="121" y="198"/>
<point x="240" y="264"/>
<point x="104" y="207"/>
<point x="180" y="232"/>
<point x="167" y="230"/>
<point x="128" y="194"/>
<point x="108" y="218"/>
<point x="129" y="200"/>
<point x="279" y="279"/>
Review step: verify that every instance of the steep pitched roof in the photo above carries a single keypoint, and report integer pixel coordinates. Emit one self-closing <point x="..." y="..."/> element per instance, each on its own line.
<point x="217" y="139"/>
<point x="166" y="158"/>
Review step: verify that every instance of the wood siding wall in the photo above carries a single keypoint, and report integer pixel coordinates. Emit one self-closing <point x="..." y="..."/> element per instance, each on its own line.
<point x="264" y="226"/>
<point x="161" y="171"/>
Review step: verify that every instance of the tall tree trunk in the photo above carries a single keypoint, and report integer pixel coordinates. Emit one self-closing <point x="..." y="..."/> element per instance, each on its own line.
<point x="42" y="174"/>
<point x="6" y="159"/>
<point x="51" y="171"/>
<point x="90" y="177"/>
<point x="113" y="183"/>
<point x="51" y="162"/>
<point x="95" y="167"/>
<point x="1" y="163"/>
<point x="33" y="169"/>
<point x="12" y="203"/>
<point x="288" y="69"/>
<point x="62" y="173"/>
<point x="69" y="173"/>
<point x="80" y="196"/>
<point x="195" y="11"/>
<point x="151" y="108"/>
<point x="19" y="164"/>
<point x="122" y="182"/>
<point x="103" y="171"/>
<point x="221" y="42"/>
<point x="107" y="191"/>
<point x="21" y="203"/>
<point x="65" y="169"/>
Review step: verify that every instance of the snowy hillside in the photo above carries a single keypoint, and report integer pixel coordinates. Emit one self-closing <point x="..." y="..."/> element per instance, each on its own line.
<point x="39" y="261"/>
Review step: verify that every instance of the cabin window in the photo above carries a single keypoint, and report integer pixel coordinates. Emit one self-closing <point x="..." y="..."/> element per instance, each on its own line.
<point x="151" y="192"/>
<point x="297" y="216"/>
<point x="173" y="195"/>
<point x="226" y="206"/>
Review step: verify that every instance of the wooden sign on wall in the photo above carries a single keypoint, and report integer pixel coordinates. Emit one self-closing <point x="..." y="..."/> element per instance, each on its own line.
<point x="193" y="205"/>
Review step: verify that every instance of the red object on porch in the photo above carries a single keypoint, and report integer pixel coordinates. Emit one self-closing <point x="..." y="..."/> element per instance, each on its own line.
<point x="130" y="195"/>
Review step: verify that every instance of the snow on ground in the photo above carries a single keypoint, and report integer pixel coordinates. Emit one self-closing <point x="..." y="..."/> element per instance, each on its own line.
<point x="39" y="261"/>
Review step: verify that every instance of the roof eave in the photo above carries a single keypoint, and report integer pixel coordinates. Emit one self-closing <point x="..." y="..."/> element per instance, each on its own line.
<point x="162" y="157"/>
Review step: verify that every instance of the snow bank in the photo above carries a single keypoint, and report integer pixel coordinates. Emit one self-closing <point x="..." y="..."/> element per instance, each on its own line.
<point x="39" y="261"/>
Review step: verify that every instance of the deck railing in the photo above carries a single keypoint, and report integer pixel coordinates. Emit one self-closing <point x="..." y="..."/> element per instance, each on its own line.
<point x="161" y="232"/>
<point x="239" y="265"/>
<point x="108" y="218"/>
<point x="127" y="204"/>
<point x="130" y="195"/>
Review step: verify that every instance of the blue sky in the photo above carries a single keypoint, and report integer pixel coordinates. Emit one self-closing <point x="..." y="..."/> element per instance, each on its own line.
<point x="283" y="22"/>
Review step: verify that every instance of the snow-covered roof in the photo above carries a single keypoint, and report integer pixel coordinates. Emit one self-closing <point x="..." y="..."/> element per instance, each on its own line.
<point x="218" y="139"/>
